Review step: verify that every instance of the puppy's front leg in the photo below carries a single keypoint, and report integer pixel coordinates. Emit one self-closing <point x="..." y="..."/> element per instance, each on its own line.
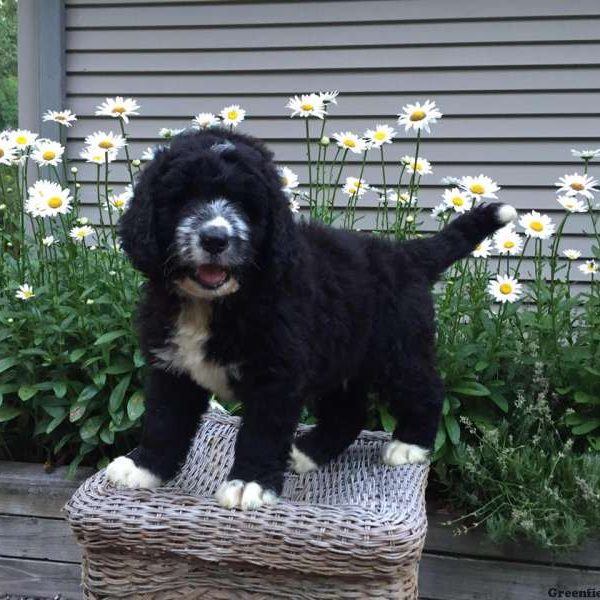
<point x="261" y="450"/>
<point x="174" y="404"/>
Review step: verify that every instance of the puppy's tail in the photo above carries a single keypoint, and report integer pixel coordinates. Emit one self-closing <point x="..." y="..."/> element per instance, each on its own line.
<point x="459" y="238"/>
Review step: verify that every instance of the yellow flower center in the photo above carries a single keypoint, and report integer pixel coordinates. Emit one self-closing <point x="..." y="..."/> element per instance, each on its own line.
<point x="60" y="118"/>
<point x="418" y="115"/>
<point x="106" y="144"/>
<point x="536" y="225"/>
<point x="307" y="106"/>
<point x="232" y="114"/>
<point x="1" y="153"/>
<point x="509" y="244"/>
<point x="118" y="203"/>
<point x="119" y="109"/>
<point x="350" y="143"/>
<point x="55" y="202"/>
<point x="457" y="201"/>
<point x="49" y="155"/>
<point x="476" y="188"/>
<point x="379" y="135"/>
<point x="284" y="181"/>
<point x="506" y="288"/>
<point x="577" y="185"/>
<point x="21" y="139"/>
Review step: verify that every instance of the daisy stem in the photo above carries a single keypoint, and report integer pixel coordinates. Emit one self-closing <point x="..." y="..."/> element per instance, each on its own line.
<point x="386" y="217"/>
<point x="337" y="182"/>
<point x="122" y="124"/>
<point x="463" y="268"/>
<point x="320" y="165"/>
<point x="414" y="173"/>
<point x="310" y="188"/>
<point x="98" y="195"/>
<point x="399" y="209"/>
<point x="354" y="202"/>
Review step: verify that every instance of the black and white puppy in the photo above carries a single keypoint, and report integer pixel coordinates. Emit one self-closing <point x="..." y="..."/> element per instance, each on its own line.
<point x="243" y="302"/>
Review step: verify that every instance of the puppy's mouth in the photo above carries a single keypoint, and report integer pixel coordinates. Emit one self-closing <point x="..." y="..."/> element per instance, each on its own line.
<point x="211" y="276"/>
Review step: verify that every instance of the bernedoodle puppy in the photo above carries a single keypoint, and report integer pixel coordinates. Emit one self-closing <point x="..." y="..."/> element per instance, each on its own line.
<point x="243" y="302"/>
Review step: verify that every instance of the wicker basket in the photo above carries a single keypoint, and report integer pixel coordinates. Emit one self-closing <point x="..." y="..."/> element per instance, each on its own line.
<point x="352" y="529"/>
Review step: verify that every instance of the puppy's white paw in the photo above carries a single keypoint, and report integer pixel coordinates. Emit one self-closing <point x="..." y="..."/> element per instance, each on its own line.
<point x="399" y="453"/>
<point x="245" y="495"/>
<point x="123" y="472"/>
<point x="301" y="463"/>
<point x="506" y="213"/>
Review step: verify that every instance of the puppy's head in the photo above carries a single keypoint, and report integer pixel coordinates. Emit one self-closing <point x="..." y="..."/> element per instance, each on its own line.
<point x="209" y="213"/>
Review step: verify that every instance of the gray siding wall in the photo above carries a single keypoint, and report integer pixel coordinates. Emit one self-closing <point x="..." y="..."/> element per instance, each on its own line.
<point x="518" y="80"/>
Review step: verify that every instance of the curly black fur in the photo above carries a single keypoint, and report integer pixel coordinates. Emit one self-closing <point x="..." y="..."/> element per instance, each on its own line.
<point x="321" y="316"/>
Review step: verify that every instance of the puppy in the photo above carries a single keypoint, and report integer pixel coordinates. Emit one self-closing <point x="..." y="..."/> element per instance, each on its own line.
<point x="243" y="302"/>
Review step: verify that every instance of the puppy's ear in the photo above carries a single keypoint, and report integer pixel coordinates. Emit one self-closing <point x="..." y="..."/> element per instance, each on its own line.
<point x="138" y="225"/>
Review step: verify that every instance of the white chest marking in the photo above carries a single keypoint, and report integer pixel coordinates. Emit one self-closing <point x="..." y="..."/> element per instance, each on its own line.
<point x="185" y="350"/>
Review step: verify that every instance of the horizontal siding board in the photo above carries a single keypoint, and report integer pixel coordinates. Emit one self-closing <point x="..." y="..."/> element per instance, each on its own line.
<point x="356" y="34"/>
<point x="414" y="82"/>
<point x="303" y="59"/>
<point x="470" y="152"/>
<point x="283" y="13"/>
<point x="540" y="127"/>
<point x="380" y="106"/>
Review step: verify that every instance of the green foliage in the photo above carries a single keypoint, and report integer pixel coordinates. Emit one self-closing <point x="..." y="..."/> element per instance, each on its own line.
<point x="522" y="477"/>
<point x="8" y="63"/>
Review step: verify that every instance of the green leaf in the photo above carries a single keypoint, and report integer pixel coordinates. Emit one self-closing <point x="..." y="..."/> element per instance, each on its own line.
<point x="592" y="371"/>
<point x="99" y="379"/>
<point x="107" y="436"/>
<point x="116" y="397"/>
<point x="75" y="355"/>
<point x="470" y="388"/>
<point x="60" y="389"/>
<point x="584" y="398"/>
<point x="55" y="411"/>
<point x="481" y="365"/>
<point x="7" y="363"/>
<point x="90" y="427"/>
<point x="26" y="392"/>
<point x="500" y="401"/>
<point x="8" y="412"/>
<point x="119" y="368"/>
<point x="440" y="439"/>
<point x="55" y="423"/>
<point x="111" y="336"/>
<point x="452" y="428"/>
<point x="87" y="393"/>
<point x="138" y="359"/>
<point x="575" y="419"/>
<point x="586" y="427"/>
<point x="77" y="411"/>
<point x="135" y="406"/>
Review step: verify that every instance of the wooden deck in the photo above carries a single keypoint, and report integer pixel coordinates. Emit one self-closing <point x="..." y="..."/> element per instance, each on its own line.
<point x="39" y="557"/>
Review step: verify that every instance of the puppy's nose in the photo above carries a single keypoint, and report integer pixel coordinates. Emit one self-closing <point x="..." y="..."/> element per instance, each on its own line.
<point x="214" y="239"/>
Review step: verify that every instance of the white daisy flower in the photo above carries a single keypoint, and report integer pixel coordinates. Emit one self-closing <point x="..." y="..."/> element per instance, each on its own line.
<point x="7" y="152"/>
<point x="571" y="204"/>
<point x="232" y="115"/>
<point x="439" y="210"/>
<point x="83" y="220"/>
<point x="47" y="152"/>
<point x="400" y="198"/>
<point x="23" y="138"/>
<point x="483" y="250"/>
<point x="577" y="184"/>
<point x="48" y="199"/>
<point x="458" y="200"/>
<point x="105" y="142"/>
<point x="25" y="292"/>
<point x="450" y="180"/>
<point x="537" y="225"/>
<point x="355" y="186"/>
<point x="572" y="254"/>
<point x="419" y="116"/>
<point x="97" y="155"/>
<point x="423" y="166"/>
<point x="307" y="105"/>
<point x="504" y="288"/>
<point x="329" y="97"/>
<point x="205" y="120"/>
<point x="480" y="186"/>
<point x="289" y="179"/>
<point x="168" y="132"/>
<point x="118" y="202"/>
<point x="350" y="141"/>
<point x="80" y="233"/>
<point x="63" y="117"/>
<point x="382" y="134"/>
<point x="585" y="154"/>
<point x="119" y="108"/>
<point x="294" y="206"/>
<point x="589" y="267"/>
<point x="148" y="153"/>
<point x="49" y="240"/>
<point x="508" y="241"/>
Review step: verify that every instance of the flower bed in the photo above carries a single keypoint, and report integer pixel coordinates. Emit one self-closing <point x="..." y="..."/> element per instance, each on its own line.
<point x="518" y="349"/>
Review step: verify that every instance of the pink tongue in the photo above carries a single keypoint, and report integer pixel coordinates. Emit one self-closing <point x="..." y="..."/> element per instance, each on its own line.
<point x="211" y="274"/>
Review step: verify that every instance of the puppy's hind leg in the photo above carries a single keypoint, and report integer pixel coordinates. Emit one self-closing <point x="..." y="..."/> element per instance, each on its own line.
<point x="340" y="417"/>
